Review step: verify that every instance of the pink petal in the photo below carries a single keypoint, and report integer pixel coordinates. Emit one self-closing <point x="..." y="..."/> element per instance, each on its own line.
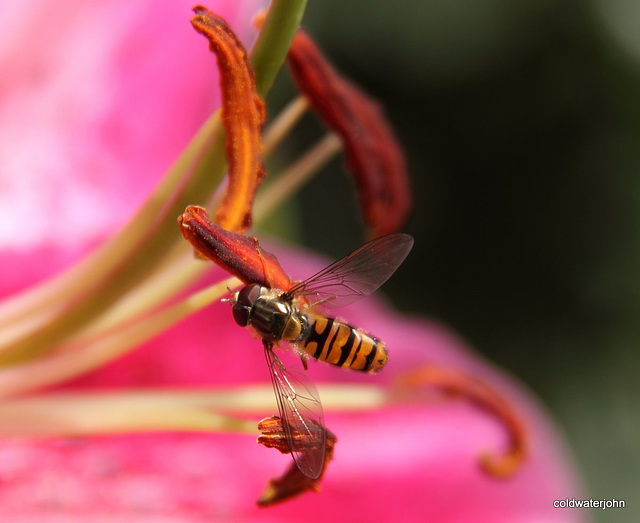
<point x="401" y="463"/>
<point x="96" y="101"/>
<point x="94" y="106"/>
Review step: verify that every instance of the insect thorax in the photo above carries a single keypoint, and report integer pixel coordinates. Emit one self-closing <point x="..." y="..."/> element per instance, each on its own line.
<point x="276" y="319"/>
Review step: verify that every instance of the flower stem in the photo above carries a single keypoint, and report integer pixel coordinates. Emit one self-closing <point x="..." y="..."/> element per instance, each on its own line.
<point x="283" y="124"/>
<point x="73" y="414"/>
<point x="69" y="414"/>
<point x="179" y="270"/>
<point x="295" y="176"/>
<point x="272" y="45"/>
<point x="92" y="353"/>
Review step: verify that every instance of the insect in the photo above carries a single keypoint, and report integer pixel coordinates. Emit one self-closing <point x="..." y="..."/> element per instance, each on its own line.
<point x="292" y="316"/>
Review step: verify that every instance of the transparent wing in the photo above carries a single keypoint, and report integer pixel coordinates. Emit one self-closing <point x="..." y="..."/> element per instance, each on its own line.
<point x="301" y="414"/>
<point x="358" y="274"/>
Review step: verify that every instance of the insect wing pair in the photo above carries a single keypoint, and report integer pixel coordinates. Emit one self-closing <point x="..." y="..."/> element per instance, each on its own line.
<point x="353" y="277"/>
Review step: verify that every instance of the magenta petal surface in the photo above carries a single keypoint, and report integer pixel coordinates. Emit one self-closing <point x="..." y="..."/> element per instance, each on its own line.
<point x="97" y="99"/>
<point x="400" y="463"/>
<point x="94" y="106"/>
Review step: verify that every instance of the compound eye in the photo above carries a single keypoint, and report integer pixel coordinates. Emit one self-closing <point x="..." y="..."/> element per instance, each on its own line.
<point x="245" y="300"/>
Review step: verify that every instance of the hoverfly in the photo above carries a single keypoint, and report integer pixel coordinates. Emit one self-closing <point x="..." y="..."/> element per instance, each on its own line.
<point x="291" y="316"/>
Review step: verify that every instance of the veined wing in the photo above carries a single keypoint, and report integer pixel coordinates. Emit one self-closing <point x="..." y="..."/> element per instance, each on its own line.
<point x="356" y="275"/>
<point x="301" y="414"/>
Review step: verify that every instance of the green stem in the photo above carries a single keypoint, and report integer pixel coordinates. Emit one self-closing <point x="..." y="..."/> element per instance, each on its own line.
<point x="270" y="50"/>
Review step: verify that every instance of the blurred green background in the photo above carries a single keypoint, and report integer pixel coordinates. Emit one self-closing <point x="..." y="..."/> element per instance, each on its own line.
<point x="521" y="122"/>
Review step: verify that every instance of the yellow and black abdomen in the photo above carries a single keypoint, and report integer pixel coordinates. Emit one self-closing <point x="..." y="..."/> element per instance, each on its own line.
<point x="333" y="341"/>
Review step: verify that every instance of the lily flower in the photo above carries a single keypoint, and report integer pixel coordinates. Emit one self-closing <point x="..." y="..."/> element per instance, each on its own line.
<point x="95" y="108"/>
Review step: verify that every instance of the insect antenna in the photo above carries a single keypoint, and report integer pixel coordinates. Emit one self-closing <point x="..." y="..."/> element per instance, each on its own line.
<point x="228" y="300"/>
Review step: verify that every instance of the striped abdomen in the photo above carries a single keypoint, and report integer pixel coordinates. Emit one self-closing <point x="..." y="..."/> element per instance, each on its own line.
<point x="335" y="342"/>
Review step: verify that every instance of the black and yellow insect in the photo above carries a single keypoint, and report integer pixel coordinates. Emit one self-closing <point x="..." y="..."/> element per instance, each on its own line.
<point x="292" y="316"/>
